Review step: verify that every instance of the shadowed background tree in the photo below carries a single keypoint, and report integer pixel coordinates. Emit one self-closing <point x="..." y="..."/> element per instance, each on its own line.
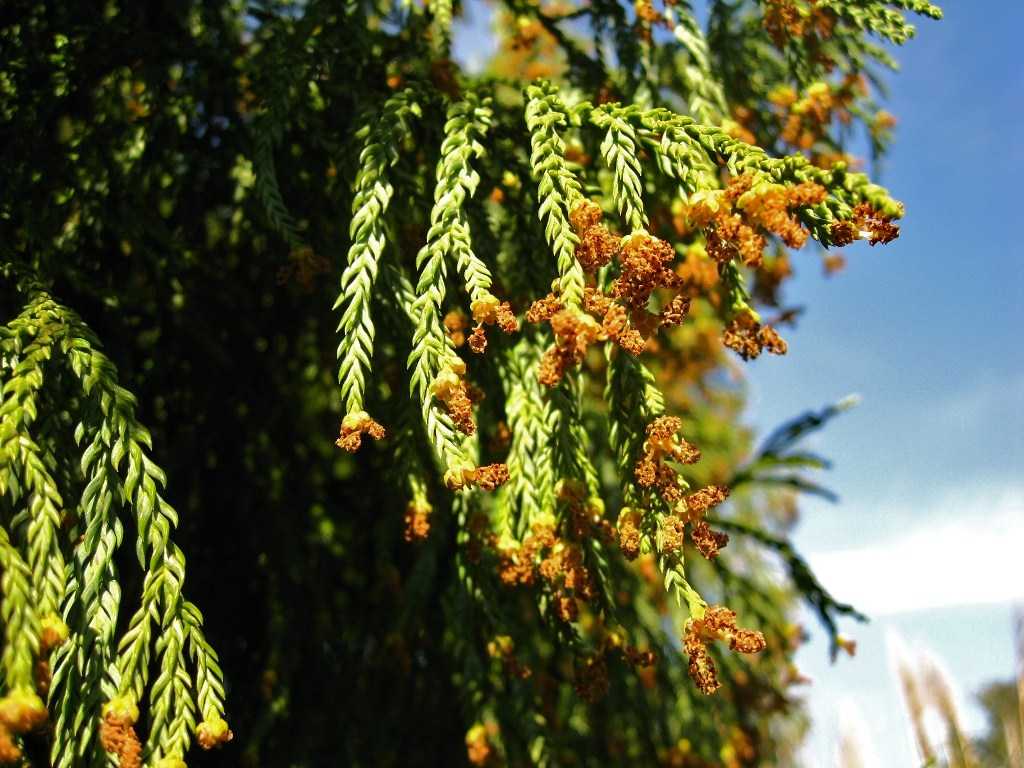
<point x="515" y="295"/>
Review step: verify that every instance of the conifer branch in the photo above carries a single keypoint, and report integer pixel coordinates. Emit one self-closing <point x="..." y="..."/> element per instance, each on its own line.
<point x="21" y="622"/>
<point x="447" y="237"/>
<point x="23" y="471"/>
<point x="368" y="232"/>
<point x="704" y="89"/>
<point x="119" y="469"/>
<point x="530" y="490"/>
<point x="557" y="188"/>
<point x="620" y="150"/>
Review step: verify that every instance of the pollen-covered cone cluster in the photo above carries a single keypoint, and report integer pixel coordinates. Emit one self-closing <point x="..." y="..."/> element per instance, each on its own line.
<point x="574" y="440"/>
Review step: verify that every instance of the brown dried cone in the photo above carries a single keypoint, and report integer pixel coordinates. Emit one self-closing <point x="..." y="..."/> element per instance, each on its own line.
<point x="866" y="223"/>
<point x="117" y="732"/>
<point x="748" y="338"/>
<point x="518" y="563"/>
<point x="638" y="658"/>
<point x="661" y="444"/>
<point x="487" y="477"/>
<point x="574" y="333"/>
<point x="768" y="206"/>
<point x="43" y="676"/>
<point x="455" y="325"/>
<point x="709" y="542"/>
<point x="52" y="633"/>
<point x="543" y="309"/>
<point x="734" y="218"/>
<point x="10" y="752"/>
<point x="21" y="711"/>
<point x="645" y="264"/>
<point x="628" y="529"/>
<point x="673" y="534"/>
<point x="568" y="578"/>
<point x="597" y="245"/>
<point x="676" y="310"/>
<point x="614" y="321"/>
<point x="591" y="678"/>
<point x="417" y="520"/>
<point x="450" y="388"/>
<point x="717" y="623"/>
<point x="503" y="649"/>
<point x="585" y="215"/>
<point x="490" y="311"/>
<point x="479" y="750"/>
<point x="353" y="426"/>
<point x="213" y="733"/>
<point x="596" y="248"/>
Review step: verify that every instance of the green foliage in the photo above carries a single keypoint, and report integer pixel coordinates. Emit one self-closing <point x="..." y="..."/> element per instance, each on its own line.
<point x="373" y="193"/>
<point x="533" y="271"/>
<point x="49" y="342"/>
<point x="558" y="190"/>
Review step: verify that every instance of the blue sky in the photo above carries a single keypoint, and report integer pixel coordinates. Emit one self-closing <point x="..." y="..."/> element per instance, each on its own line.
<point x="928" y="331"/>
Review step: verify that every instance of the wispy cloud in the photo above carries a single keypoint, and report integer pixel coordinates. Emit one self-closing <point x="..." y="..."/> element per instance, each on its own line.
<point x="966" y="550"/>
<point x="979" y="403"/>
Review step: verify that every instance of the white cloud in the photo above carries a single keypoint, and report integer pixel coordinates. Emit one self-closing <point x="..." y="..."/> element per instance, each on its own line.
<point x="967" y="549"/>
